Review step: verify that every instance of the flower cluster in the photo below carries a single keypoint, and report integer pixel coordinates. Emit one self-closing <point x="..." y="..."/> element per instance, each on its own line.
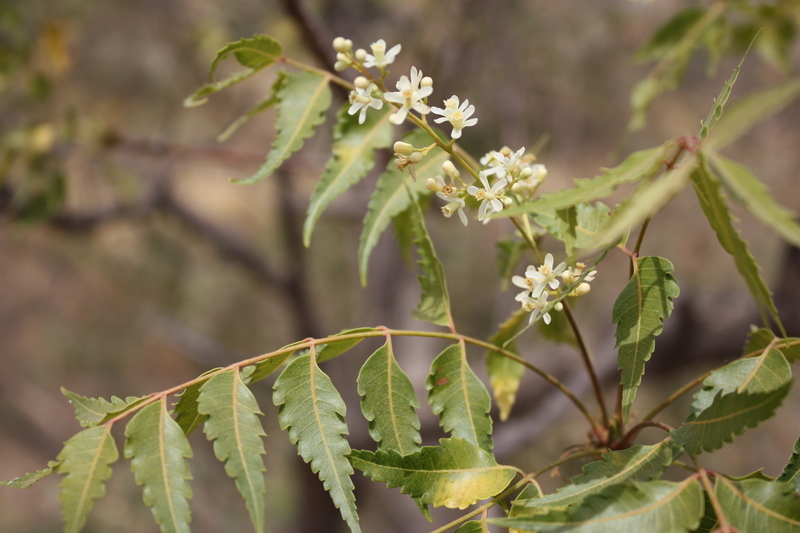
<point x="537" y="281"/>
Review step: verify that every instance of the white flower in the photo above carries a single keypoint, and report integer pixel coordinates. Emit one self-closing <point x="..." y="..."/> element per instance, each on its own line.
<point x="408" y="97"/>
<point x="573" y="273"/>
<point x="534" y="305"/>
<point x="379" y="56"/>
<point x="455" y="204"/>
<point x="511" y="163"/>
<point x="361" y="100"/>
<point x="545" y="275"/>
<point x="488" y="196"/>
<point x="491" y="160"/>
<point x="457" y="115"/>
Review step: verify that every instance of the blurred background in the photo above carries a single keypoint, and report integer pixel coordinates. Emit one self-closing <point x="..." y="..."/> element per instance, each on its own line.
<point x="129" y="263"/>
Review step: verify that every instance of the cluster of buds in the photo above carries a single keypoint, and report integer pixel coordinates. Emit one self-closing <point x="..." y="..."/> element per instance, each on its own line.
<point x="518" y="168"/>
<point x="449" y="192"/>
<point x="542" y="282"/>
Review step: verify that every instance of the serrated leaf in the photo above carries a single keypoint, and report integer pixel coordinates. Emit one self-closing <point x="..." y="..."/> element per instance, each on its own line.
<point x="661" y="506"/>
<point x="235" y="429"/>
<point x="272" y="99"/>
<point x="93" y="411"/>
<point x="636" y="166"/>
<point x="644" y="203"/>
<point x="389" y="403"/>
<point x="746" y="112"/>
<point x="255" y="53"/>
<point x="459" y="399"/>
<point x="186" y="415"/>
<point x="639" y="313"/>
<point x="456" y="474"/>
<point x="736" y="397"/>
<point x="576" y="227"/>
<point x="756" y="505"/>
<point x="312" y="412"/>
<point x="353" y="157"/>
<point x="761" y="338"/>
<point x="752" y="193"/>
<point x="638" y="463"/>
<point x="505" y="373"/>
<point x="434" y="304"/>
<point x="719" y="103"/>
<point x="26" y="481"/>
<point x="791" y="472"/>
<point x="711" y="198"/>
<point x="337" y="348"/>
<point x="391" y="196"/>
<point x="86" y="465"/>
<point x="158" y="449"/>
<point x="303" y="99"/>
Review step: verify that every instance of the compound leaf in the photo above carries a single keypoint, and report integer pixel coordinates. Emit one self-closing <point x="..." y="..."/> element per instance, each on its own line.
<point x="434" y="304"/>
<point x="459" y="398"/>
<point x="312" y="412"/>
<point x="455" y="474"/>
<point x="93" y="411"/>
<point x="354" y="148"/>
<point x="757" y="505"/>
<point x="389" y="403"/>
<point x="158" y="448"/>
<point x="303" y="99"/>
<point x="639" y="313"/>
<point x="86" y="465"/>
<point x="234" y="427"/>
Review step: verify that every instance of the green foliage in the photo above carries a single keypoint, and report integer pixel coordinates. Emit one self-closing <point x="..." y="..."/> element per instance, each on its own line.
<point x="505" y="373"/>
<point x="459" y="398"/>
<point x="389" y="403"/>
<point x="391" y="197"/>
<point x="354" y="148"/>
<point x="756" y="505"/>
<point x="303" y="99"/>
<point x="94" y="411"/>
<point x="791" y="472"/>
<point x="236" y="431"/>
<point x="661" y="506"/>
<point x="510" y="252"/>
<point x="738" y="396"/>
<point x="719" y="102"/>
<point x="473" y="526"/>
<point x="273" y="98"/>
<point x="86" y="465"/>
<point x="312" y="412"/>
<point x="455" y="474"/>
<point x="333" y="349"/>
<point x="24" y="482"/>
<point x="759" y="339"/>
<point x="639" y="313"/>
<point x="577" y="227"/>
<point x="158" y="449"/>
<point x="434" y="304"/>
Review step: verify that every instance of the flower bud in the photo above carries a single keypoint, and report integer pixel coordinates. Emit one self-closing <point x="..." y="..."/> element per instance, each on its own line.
<point x="339" y="66"/>
<point x="340" y="44"/>
<point x="434" y="185"/>
<point x="361" y="82"/>
<point x="403" y="148"/>
<point x="360" y="55"/>
<point x="450" y="169"/>
<point x="427" y="81"/>
<point x="527" y="172"/>
<point x="559" y="306"/>
<point x="415" y="157"/>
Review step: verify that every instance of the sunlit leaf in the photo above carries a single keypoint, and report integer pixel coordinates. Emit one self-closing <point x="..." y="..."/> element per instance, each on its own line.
<point x="158" y="449"/>
<point x="389" y="403"/>
<point x="639" y="313"/>
<point x="353" y="157"/>
<point x="791" y="472"/>
<point x="505" y="373"/>
<point x="434" y="305"/>
<point x="337" y="348"/>
<point x="756" y="505"/>
<point x="303" y="99"/>
<point x="234" y="427"/>
<point x="86" y="465"/>
<point x="455" y="474"/>
<point x="761" y="338"/>
<point x="576" y="227"/>
<point x="93" y="411"/>
<point x="24" y="482"/>
<point x="459" y="398"/>
<point x="312" y="412"/>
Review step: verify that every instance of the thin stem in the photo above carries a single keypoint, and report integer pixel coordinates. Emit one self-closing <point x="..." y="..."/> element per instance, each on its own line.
<point x="629" y="437"/>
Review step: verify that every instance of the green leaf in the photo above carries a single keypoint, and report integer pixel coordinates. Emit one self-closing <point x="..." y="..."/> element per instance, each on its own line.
<point x="304" y="98"/>
<point x="661" y="506"/>
<point x="354" y="148"/>
<point x="669" y="35"/>
<point x="756" y="505"/>
<point x="638" y="463"/>
<point x="752" y="193"/>
<point x="473" y="526"/>
<point x="158" y="449"/>
<point x="389" y="403"/>
<point x="639" y="313"/>
<point x="459" y="399"/>
<point x="746" y="112"/>
<point x="93" y="411"/>
<point x="391" y="197"/>
<point x="505" y="373"/>
<point x="272" y="99"/>
<point x="761" y="338"/>
<point x="255" y="53"/>
<point x="576" y="227"/>
<point x="337" y="348"/>
<point x="791" y="472"/>
<point x="86" y="465"/>
<point x="455" y="474"/>
<point x="711" y="198"/>
<point x="312" y="411"/>
<point x="186" y="414"/>
<point x="24" y="482"/>
<point x="636" y="166"/>
<point x="719" y="102"/>
<point x="236" y="431"/>
<point x="434" y="304"/>
<point x="738" y="396"/>
<point x="510" y="252"/>
<point x="645" y="202"/>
